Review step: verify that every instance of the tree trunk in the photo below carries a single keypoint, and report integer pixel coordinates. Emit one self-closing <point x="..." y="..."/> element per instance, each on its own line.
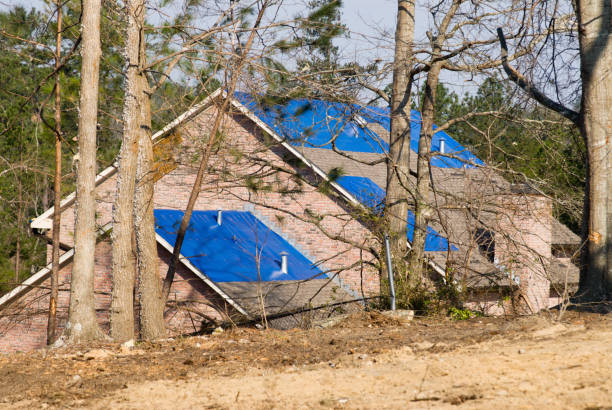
<point x="19" y="222"/>
<point x="152" y="325"/>
<point x="57" y="186"/>
<point x="422" y="210"/>
<point x="398" y="164"/>
<point x="123" y="254"/>
<point x="82" y="325"/>
<point x="595" y="25"/>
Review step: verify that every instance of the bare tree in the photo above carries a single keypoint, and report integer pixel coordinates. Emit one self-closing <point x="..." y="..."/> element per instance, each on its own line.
<point x="595" y="50"/>
<point x="152" y="324"/>
<point x="123" y="252"/>
<point x="398" y="163"/>
<point x="82" y="325"/>
<point x="57" y="185"/>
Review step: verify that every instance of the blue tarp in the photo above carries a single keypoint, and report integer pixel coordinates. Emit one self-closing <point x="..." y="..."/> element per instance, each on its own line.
<point x="316" y="124"/>
<point x="229" y="252"/>
<point x="322" y="124"/>
<point x="371" y="195"/>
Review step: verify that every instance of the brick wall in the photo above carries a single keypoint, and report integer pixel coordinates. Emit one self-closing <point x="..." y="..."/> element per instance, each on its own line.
<point x="522" y="244"/>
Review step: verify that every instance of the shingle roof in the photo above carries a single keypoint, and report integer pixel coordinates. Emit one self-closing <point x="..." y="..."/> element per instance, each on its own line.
<point x="373" y="196"/>
<point x="284" y="297"/>
<point x="562" y="235"/>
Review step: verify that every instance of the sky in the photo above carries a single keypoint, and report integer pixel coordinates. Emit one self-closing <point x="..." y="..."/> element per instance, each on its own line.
<point x="371" y="24"/>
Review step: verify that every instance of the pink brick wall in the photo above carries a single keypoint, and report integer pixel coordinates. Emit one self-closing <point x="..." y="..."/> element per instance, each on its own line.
<point x="522" y="244"/>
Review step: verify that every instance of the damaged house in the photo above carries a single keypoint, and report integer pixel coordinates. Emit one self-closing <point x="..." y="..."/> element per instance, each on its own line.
<point x="286" y="221"/>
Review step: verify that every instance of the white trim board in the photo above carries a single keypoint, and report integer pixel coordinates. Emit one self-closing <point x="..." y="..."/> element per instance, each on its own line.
<point x="35" y="279"/>
<point x="67" y="257"/>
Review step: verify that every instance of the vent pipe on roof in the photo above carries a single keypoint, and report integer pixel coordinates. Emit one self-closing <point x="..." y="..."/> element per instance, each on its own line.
<point x="219" y="217"/>
<point x="442" y="145"/>
<point x="284" y="262"/>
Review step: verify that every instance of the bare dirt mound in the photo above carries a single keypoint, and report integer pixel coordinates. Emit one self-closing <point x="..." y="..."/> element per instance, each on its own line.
<point x="364" y="362"/>
<point x="367" y="319"/>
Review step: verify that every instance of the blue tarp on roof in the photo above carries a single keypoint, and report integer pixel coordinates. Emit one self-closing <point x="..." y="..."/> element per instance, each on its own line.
<point x="322" y="124"/>
<point x="364" y="190"/>
<point x="228" y="253"/>
<point x="316" y="124"/>
<point x="371" y="195"/>
<point x="458" y="155"/>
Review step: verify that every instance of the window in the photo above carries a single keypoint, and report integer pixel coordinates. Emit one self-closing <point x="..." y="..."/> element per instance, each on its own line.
<point x="486" y="243"/>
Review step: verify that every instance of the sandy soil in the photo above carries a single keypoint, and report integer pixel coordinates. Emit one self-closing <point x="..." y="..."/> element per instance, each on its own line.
<point x="364" y="362"/>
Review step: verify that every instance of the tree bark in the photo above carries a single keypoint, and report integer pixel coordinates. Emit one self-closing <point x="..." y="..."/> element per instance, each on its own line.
<point x="422" y="209"/>
<point x="82" y="325"/>
<point x="152" y="325"/>
<point x="57" y="187"/>
<point x="19" y="221"/>
<point x="595" y="25"/>
<point x="123" y="253"/>
<point x="398" y="164"/>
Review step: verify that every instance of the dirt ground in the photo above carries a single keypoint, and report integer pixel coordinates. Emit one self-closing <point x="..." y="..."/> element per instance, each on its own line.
<point x="365" y="361"/>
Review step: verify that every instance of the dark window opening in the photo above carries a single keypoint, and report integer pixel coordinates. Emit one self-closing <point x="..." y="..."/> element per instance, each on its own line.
<point x="486" y="243"/>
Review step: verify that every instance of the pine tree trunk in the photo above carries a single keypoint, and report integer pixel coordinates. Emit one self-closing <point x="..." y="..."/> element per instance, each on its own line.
<point x="422" y="210"/>
<point x="398" y="164"/>
<point x="152" y="325"/>
<point x="57" y="187"/>
<point x="123" y="254"/>
<point x="82" y="325"/>
<point x="595" y="25"/>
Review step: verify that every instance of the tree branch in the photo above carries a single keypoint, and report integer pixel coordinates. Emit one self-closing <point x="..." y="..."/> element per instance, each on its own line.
<point x="522" y="82"/>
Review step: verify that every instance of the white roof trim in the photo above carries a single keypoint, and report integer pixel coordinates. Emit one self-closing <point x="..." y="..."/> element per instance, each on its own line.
<point x="34" y="280"/>
<point x="201" y="275"/>
<point x="43" y="274"/>
<point x="44" y="220"/>
<point x="66" y="258"/>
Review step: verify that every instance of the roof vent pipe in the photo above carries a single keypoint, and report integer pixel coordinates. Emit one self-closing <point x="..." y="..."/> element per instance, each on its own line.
<point x="219" y="217"/>
<point x="442" y="145"/>
<point x="283" y="256"/>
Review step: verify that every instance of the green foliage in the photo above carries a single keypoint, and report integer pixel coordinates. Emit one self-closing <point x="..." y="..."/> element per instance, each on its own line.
<point x="462" y="314"/>
<point x="325" y="186"/>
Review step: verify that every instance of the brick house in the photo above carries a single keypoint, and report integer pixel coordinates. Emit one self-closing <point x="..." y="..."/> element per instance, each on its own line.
<point x="286" y="220"/>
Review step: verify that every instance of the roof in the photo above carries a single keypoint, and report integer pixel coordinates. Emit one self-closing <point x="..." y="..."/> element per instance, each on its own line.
<point x="373" y="196"/>
<point x="282" y="297"/>
<point x="334" y="125"/>
<point x="362" y="131"/>
<point x="562" y="235"/>
<point x="240" y="249"/>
